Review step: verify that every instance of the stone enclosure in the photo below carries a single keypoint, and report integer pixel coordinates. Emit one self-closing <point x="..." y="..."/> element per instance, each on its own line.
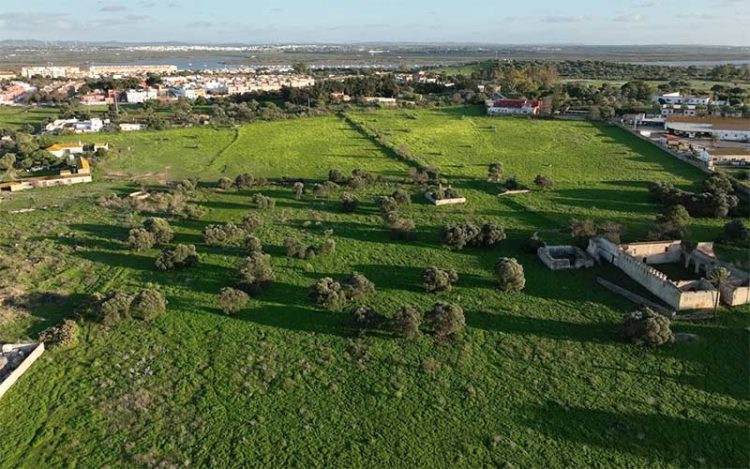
<point x="564" y="257"/>
<point x="15" y="359"/>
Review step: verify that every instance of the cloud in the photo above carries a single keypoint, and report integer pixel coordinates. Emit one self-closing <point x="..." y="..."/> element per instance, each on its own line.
<point x="113" y="7"/>
<point x="629" y="18"/>
<point x="24" y="20"/>
<point x="564" y="19"/>
<point x="652" y="4"/>
<point x="200" y="24"/>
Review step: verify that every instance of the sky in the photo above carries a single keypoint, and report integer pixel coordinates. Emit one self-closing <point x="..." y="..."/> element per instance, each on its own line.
<point x="708" y="22"/>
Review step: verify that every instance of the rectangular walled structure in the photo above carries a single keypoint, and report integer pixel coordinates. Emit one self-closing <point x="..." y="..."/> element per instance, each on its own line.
<point x="635" y="260"/>
<point x="564" y="257"/>
<point x="19" y="358"/>
<point x="456" y="201"/>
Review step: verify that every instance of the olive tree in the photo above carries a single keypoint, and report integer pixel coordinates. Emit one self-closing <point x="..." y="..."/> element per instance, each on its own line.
<point x="509" y="274"/>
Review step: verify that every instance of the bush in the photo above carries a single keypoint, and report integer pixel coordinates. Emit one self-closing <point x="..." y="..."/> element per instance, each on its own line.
<point x="251" y="222"/>
<point x="113" y="308"/>
<point x="543" y="182"/>
<point x="357" y="287"/>
<point x="323" y="190"/>
<point x="295" y="248"/>
<point x="255" y="273"/>
<point x="65" y="335"/>
<point x="510" y="276"/>
<point x="182" y="256"/>
<point x="366" y="316"/>
<point x="671" y="223"/>
<point x="328" y="293"/>
<point x="402" y="228"/>
<point x="148" y="304"/>
<point x="159" y="227"/>
<point x="438" y="280"/>
<point x="386" y="204"/>
<point x="533" y="244"/>
<point x="612" y="231"/>
<point x="458" y="235"/>
<point x="194" y="212"/>
<point x="645" y="327"/>
<point x="253" y="244"/>
<point x="363" y="176"/>
<point x="231" y="300"/>
<point x="328" y="247"/>
<point x="447" y="319"/>
<point x="225" y="183"/>
<point x="299" y="190"/>
<point x="223" y="235"/>
<point x="337" y="177"/>
<point x="349" y="202"/>
<point x="244" y="181"/>
<point x="140" y="239"/>
<point x="401" y="197"/>
<point x="495" y="172"/>
<point x="735" y="232"/>
<point x="261" y="202"/>
<point x="407" y="322"/>
<point x="581" y="231"/>
<point x="441" y="193"/>
<point x="513" y="184"/>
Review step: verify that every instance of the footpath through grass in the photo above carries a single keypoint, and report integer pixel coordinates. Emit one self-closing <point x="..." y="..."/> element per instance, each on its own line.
<point x="539" y="378"/>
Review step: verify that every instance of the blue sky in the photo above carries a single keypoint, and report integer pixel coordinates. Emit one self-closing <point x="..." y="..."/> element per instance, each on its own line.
<point x="720" y="22"/>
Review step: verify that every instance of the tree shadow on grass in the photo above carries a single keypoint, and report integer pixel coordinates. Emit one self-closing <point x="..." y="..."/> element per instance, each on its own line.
<point x="46" y="308"/>
<point x="658" y="438"/>
<point x="547" y="328"/>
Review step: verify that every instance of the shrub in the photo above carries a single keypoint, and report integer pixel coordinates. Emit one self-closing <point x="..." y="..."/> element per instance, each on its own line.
<point x="295" y="248"/>
<point x="222" y="235"/>
<point x="148" y="304"/>
<point x="337" y="177"/>
<point x="645" y="327"/>
<point x="489" y="235"/>
<point x="510" y="276"/>
<point x="357" y="287"/>
<point x="441" y="193"/>
<point x="364" y="176"/>
<point x="366" y="316"/>
<point x="401" y="197"/>
<point x="328" y="247"/>
<point x="187" y="185"/>
<point x="438" y="280"/>
<point x="251" y="222"/>
<point x="194" y="212"/>
<point x="671" y="223"/>
<point x="225" y="183"/>
<point x="253" y="244"/>
<point x="349" y="202"/>
<point x="160" y="228"/>
<point x="113" y="308"/>
<point x="182" y="256"/>
<point x="458" y="235"/>
<point x="533" y="244"/>
<point x="140" y="239"/>
<point x="255" y="273"/>
<point x="543" y="182"/>
<point x="612" y="231"/>
<point x="63" y="336"/>
<point x="512" y="184"/>
<point x="402" y="228"/>
<point x="581" y="231"/>
<point x="328" y="293"/>
<point x="407" y="322"/>
<point x="231" y="300"/>
<point x="735" y="232"/>
<point x="386" y="204"/>
<point x="323" y="190"/>
<point x="244" y="180"/>
<point x="447" y="319"/>
<point x="260" y="201"/>
<point x="495" y="172"/>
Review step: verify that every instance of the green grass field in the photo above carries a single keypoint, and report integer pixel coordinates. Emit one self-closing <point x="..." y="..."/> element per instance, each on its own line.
<point x="539" y="378"/>
<point x="15" y="117"/>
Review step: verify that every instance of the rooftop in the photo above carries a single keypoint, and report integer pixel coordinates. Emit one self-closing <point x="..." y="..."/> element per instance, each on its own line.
<point x="731" y="123"/>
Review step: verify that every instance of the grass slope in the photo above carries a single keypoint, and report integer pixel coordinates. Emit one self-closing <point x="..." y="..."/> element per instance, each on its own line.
<point x="539" y="377"/>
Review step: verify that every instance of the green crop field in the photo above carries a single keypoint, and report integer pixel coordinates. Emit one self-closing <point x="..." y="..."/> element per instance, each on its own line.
<point x="538" y="378"/>
<point x="15" y="117"/>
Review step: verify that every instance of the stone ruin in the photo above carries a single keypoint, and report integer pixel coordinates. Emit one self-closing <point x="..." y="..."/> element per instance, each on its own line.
<point x="15" y="359"/>
<point x="564" y="257"/>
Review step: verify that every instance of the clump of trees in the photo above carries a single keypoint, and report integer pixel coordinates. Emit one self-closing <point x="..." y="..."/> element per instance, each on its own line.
<point x="225" y="183"/>
<point x="718" y="198"/>
<point x="458" y="235"/>
<point x="64" y="335"/>
<point x="646" y="327"/>
<point x="246" y="181"/>
<point x="447" y="319"/>
<point x="400" y="227"/>
<point x="435" y="279"/>
<point x="251" y="222"/>
<point x="442" y="193"/>
<point x="232" y="300"/>
<point x="116" y="306"/>
<point x="334" y="295"/>
<point x="295" y="248"/>
<point x="543" y="182"/>
<point x="194" y="212"/>
<point x="349" y="202"/>
<point x="262" y="202"/>
<point x="509" y="274"/>
<point x="223" y="235"/>
<point x="401" y="197"/>
<point x="359" y="178"/>
<point x="255" y="273"/>
<point x="581" y="230"/>
<point x="180" y="257"/>
<point x="407" y="322"/>
<point x="253" y="244"/>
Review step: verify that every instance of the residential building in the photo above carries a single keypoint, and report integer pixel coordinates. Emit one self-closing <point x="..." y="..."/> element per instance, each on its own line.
<point x="78" y="174"/>
<point x="505" y="106"/>
<point x="141" y="96"/>
<point x="677" y="98"/>
<point x="65" y="149"/>
<point x="92" y="125"/>
<point x="126" y="127"/>
<point x="379" y="100"/>
<point x="50" y="72"/>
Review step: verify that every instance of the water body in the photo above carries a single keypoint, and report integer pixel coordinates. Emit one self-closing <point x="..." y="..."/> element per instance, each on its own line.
<point x="185" y="63"/>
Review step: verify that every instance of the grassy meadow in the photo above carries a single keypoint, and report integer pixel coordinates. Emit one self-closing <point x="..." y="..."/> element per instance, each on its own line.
<point x="538" y="378"/>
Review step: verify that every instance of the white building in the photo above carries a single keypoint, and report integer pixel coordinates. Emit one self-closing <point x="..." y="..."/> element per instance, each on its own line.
<point x="125" y="127"/>
<point x="141" y="96"/>
<point x="722" y="128"/>
<point x="50" y="72"/>
<point x="65" y="149"/>
<point x="677" y="98"/>
<point x="92" y="125"/>
<point x="504" y="106"/>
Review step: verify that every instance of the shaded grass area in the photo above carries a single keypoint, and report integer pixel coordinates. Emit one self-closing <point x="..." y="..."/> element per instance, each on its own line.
<point x="538" y="378"/>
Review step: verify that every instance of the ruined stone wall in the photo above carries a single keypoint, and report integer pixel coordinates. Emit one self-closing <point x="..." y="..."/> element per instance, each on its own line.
<point x="659" y="252"/>
<point x="651" y="279"/>
<point x="550" y="262"/>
